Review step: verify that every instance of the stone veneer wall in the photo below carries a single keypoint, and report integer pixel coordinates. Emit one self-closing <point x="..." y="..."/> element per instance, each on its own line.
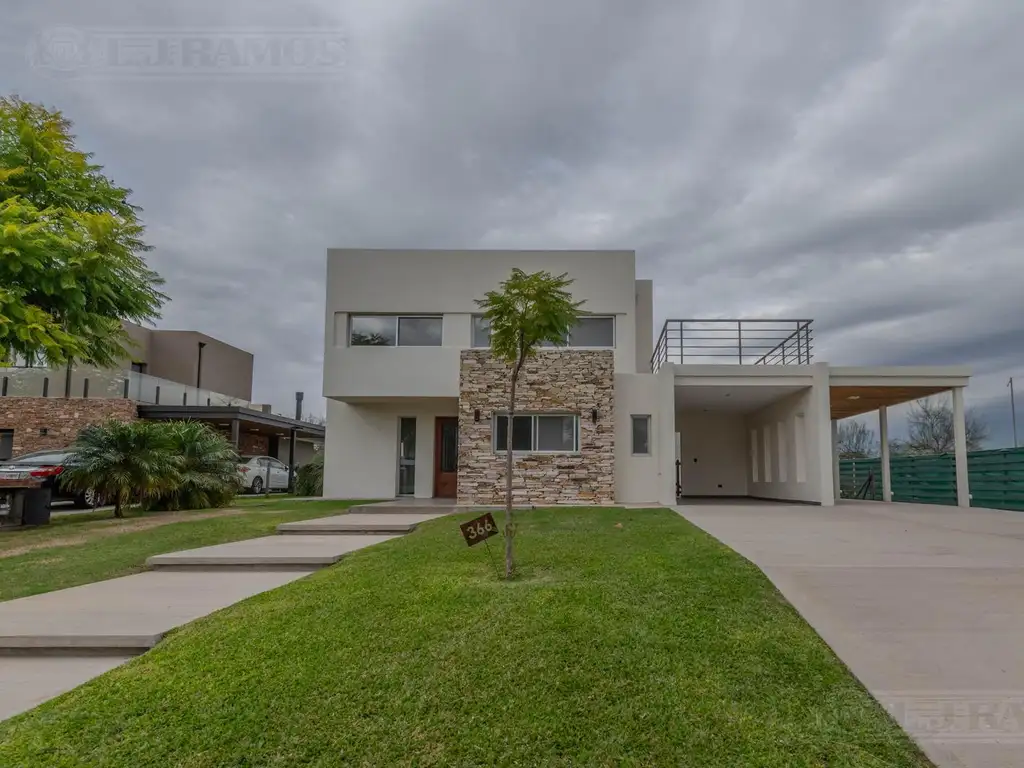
<point x="564" y="380"/>
<point x="62" y="419"/>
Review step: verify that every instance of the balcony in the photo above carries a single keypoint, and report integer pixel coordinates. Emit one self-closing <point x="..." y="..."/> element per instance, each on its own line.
<point x="738" y="342"/>
<point x="88" y="382"/>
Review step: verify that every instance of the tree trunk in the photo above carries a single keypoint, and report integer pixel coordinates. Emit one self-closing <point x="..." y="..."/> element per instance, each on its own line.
<point x="509" y="564"/>
<point x="117" y="505"/>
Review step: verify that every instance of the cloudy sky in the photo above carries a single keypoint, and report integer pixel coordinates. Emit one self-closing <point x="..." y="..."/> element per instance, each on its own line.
<point x="858" y="163"/>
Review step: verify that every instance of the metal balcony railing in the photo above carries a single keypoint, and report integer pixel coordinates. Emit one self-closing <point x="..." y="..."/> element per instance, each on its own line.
<point x="740" y="342"/>
<point x="99" y="383"/>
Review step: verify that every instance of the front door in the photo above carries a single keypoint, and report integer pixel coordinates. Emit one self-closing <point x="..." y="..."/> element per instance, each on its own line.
<point x="446" y="457"/>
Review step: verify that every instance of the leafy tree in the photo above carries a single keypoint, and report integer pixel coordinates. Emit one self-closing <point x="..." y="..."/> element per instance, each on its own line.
<point x="528" y="311"/>
<point x="123" y="461"/>
<point x="207" y="472"/>
<point x="71" y="267"/>
<point x="309" y="480"/>
<point x="856" y="440"/>
<point x="930" y="428"/>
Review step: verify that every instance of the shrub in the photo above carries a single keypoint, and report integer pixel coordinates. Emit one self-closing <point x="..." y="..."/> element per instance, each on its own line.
<point x="309" y="480"/>
<point x="122" y="462"/>
<point x="208" y="468"/>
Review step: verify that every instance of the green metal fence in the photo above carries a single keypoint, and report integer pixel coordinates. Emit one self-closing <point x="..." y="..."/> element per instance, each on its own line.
<point x="996" y="478"/>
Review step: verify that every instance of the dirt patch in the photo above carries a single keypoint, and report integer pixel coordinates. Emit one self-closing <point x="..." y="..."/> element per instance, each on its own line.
<point x="100" y="529"/>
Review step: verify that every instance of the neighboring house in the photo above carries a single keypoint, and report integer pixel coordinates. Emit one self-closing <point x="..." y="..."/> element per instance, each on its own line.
<point x="416" y="403"/>
<point x="167" y="375"/>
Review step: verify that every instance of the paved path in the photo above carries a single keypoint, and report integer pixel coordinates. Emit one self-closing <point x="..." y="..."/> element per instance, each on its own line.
<point x="53" y="642"/>
<point x="925" y="604"/>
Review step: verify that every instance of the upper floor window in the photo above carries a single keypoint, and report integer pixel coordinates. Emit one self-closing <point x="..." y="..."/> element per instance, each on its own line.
<point x="590" y="331"/>
<point x="395" y="331"/>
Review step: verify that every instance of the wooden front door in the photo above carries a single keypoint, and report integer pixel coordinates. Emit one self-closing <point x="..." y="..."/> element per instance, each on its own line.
<point x="446" y="457"/>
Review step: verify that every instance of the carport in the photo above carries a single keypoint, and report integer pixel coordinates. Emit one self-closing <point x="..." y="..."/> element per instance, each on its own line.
<point x="236" y="421"/>
<point x="750" y="431"/>
<point x="858" y="391"/>
<point x="770" y="431"/>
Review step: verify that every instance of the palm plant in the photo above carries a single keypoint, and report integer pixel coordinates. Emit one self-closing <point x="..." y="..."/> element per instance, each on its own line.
<point x="309" y="480"/>
<point x="122" y="461"/>
<point x="208" y="470"/>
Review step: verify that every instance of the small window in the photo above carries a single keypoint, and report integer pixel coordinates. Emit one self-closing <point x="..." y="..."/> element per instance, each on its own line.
<point x="395" y="330"/>
<point x="641" y="435"/>
<point x="556" y="434"/>
<point x="374" y="331"/>
<point x="593" y="332"/>
<point x="481" y="331"/>
<point x="419" y="331"/>
<point x="538" y="433"/>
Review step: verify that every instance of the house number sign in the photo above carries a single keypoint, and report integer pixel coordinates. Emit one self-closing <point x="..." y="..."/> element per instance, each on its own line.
<point x="480" y="529"/>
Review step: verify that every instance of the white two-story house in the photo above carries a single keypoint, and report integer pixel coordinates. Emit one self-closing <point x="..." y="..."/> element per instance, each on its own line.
<point x="735" y="408"/>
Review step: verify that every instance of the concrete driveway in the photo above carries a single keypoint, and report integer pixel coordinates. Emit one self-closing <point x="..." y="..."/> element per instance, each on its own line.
<point x="925" y="604"/>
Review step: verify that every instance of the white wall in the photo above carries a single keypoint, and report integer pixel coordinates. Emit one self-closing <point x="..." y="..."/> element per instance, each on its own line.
<point x="788" y="467"/>
<point x="361" y="450"/>
<point x="712" y="452"/>
<point x="447" y="283"/>
<point x="645" y="479"/>
<point x="644" y="325"/>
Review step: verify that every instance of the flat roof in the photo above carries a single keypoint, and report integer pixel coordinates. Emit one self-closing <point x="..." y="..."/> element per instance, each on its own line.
<point x="223" y="415"/>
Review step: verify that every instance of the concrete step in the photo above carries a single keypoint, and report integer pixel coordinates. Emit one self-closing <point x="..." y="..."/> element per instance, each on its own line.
<point x="404" y="508"/>
<point x="358" y="523"/>
<point x="27" y="682"/>
<point x="269" y="553"/>
<point x="123" y="616"/>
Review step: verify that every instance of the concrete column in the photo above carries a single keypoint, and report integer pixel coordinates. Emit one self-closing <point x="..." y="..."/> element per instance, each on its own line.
<point x="820" y="451"/>
<point x="835" y="458"/>
<point x="665" y="434"/>
<point x="963" y="493"/>
<point x="235" y="436"/>
<point x="883" y="432"/>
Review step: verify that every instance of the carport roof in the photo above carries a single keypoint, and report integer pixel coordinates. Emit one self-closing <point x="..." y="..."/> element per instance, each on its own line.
<point x="853" y="391"/>
<point x="222" y="415"/>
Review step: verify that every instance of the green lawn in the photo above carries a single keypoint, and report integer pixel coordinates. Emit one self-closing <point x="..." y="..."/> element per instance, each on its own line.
<point x="649" y="644"/>
<point x="104" y="553"/>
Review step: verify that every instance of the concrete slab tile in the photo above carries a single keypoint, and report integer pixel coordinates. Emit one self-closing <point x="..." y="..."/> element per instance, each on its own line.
<point x="27" y="682"/>
<point x="129" y="614"/>
<point x="268" y="552"/>
<point x="359" y="522"/>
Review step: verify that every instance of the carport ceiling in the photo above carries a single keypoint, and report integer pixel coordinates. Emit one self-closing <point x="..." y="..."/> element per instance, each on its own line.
<point x="739" y="398"/>
<point x="853" y="401"/>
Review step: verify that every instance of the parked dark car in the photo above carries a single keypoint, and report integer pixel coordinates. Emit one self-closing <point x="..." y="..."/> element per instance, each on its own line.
<point x="46" y="466"/>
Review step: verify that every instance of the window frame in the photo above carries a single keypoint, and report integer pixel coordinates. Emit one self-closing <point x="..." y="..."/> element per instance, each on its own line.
<point x="533" y="416"/>
<point x="633" y="418"/>
<point x="397" y="325"/>
<point x="614" y="345"/>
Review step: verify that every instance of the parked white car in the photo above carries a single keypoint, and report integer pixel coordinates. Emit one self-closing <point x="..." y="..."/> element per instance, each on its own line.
<point x="255" y="472"/>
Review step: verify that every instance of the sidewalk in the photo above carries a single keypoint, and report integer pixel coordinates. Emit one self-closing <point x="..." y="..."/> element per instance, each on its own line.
<point x="53" y="642"/>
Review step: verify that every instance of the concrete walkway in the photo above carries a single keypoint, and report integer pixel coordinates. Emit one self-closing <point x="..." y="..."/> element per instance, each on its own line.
<point x="53" y="642"/>
<point x="925" y="604"/>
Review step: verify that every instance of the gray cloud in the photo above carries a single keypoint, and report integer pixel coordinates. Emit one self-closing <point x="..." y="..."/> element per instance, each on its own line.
<point x="858" y="163"/>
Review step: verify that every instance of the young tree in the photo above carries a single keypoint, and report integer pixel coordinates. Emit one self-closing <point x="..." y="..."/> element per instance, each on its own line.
<point x="122" y="461"/>
<point x="71" y="267"/>
<point x="930" y="428"/>
<point x="528" y="310"/>
<point x="856" y="440"/>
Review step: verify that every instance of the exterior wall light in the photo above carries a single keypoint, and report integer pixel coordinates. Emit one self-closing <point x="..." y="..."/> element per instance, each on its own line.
<point x="476" y="415"/>
<point x="593" y="415"/>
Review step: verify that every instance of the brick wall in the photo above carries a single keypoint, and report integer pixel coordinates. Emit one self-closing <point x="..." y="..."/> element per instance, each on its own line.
<point x="574" y="381"/>
<point x="61" y="419"/>
<point x="250" y="444"/>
